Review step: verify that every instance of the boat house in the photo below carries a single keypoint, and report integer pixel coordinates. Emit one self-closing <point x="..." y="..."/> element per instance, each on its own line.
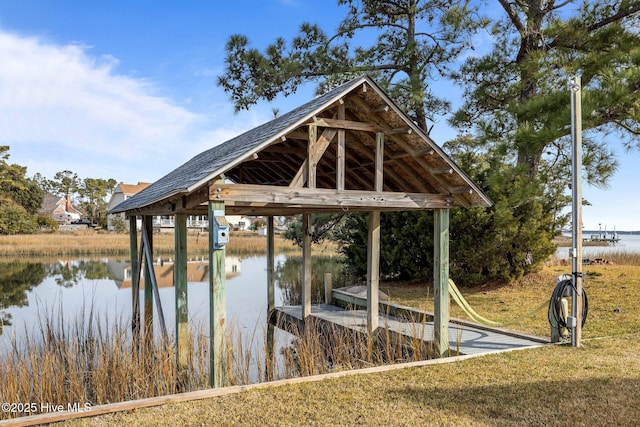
<point x="350" y="150"/>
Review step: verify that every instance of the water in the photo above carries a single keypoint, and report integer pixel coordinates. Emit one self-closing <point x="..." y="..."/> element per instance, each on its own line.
<point x="72" y="289"/>
<point x="628" y="243"/>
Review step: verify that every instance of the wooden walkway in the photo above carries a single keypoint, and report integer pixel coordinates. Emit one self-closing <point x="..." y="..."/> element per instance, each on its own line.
<point x="465" y="337"/>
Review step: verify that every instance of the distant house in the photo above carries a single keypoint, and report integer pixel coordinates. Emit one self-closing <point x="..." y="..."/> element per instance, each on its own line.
<point x="120" y="194"/>
<point x="60" y="209"/>
<point x="166" y="222"/>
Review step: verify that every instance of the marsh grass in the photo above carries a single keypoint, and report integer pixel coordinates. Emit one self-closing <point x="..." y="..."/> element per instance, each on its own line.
<point x="88" y="242"/>
<point x="618" y="257"/>
<point x="94" y="359"/>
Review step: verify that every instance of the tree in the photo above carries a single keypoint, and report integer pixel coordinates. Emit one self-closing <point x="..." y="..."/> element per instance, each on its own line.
<point x="516" y="100"/>
<point x="322" y="226"/>
<point x="517" y="94"/>
<point x="417" y="40"/>
<point x="94" y="193"/>
<point x="20" y="197"/>
<point x="64" y="183"/>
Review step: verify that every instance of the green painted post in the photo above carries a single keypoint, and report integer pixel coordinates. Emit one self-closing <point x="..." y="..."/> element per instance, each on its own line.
<point x="441" y="281"/>
<point x="135" y="278"/>
<point x="182" y="312"/>
<point x="271" y="281"/>
<point x="306" y="266"/>
<point x="217" y="302"/>
<point x="271" y="299"/>
<point x="147" y="228"/>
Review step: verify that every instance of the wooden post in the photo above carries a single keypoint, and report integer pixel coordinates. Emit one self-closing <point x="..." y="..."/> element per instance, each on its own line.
<point x="217" y="302"/>
<point x="135" y="279"/>
<point x="271" y="280"/>
<point x="151" y="279"/>
<point x="147" y="230"/>
<point x="373" y="242"/>
<point x="379" y="176"/>
<point x="311" y="169"/>
<point x="373" y="270"/>
<point x="181" y="296"/>
<point x="340" y="152"/>
<point x="328" y="288"/>
<point x="441" y="281"/>
<point x="306" y="266"/>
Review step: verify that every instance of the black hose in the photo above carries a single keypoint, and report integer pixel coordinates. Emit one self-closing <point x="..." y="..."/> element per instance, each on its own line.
<point x="564" y="288"/>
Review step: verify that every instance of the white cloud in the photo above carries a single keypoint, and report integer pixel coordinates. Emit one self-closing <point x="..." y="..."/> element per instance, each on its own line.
<point x="62" y="108"/>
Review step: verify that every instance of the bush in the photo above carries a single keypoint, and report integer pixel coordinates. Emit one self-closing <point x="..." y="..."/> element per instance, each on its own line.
<point x="14" y="219"/>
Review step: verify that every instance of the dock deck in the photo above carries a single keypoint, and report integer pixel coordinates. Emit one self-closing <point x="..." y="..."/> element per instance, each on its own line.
<point x="465" y="337"/>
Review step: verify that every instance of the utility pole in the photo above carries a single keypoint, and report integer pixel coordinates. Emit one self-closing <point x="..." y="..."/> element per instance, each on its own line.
<point x="576" y="213"/>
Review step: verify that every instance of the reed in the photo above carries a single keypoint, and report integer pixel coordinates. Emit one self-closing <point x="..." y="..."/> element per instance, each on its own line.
<point x="96" y="242"/>
<point x="93" y="359"/>
<point x="620" y="257"/>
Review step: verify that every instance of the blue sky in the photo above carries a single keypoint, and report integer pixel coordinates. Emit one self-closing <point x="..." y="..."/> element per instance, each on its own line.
<point x="127" y="89"/>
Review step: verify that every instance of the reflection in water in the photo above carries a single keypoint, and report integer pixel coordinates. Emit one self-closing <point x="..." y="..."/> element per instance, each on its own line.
<point x="101" y="289"/>
<point x="16" y="278"/>
<point x="289" y="278"/>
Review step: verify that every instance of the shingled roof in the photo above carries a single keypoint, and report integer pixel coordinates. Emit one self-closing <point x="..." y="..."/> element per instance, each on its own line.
<point x="274" y="155"/>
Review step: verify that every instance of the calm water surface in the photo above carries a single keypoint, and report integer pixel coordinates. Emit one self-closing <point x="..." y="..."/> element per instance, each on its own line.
<point x="71" y="289"/>
<point x="628" y="243"/>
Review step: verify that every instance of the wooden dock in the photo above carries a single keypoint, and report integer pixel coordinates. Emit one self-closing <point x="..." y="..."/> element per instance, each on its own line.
<point x="465" y="337"/>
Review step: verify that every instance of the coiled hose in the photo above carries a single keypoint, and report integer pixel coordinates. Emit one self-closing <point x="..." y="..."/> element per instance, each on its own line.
<point x="564" y="288"/>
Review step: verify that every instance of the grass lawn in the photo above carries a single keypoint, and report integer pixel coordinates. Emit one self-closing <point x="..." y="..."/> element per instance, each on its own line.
<point x="597" y="384"/>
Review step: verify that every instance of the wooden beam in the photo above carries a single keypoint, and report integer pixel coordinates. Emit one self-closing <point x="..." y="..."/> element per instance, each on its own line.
<point x="398" y="139"/>
<point x="441" y="281"/>
<point x="379" y="172"/>
<point x="326" y="198"/>
<point x="347" y="124"/>
<point x="340" y="152"/>
<point x="401" y="131"/>
<point x="135" y="278"/>
<point x="181" y="297"/>
<point x="311" y="165"/>
<point x="147" y="230"/>
<point x="217" y="303"/>
<point x="379" y="108"/>
<point x="150" y="280"/>
<point x="306" y="266"/>
<point x="442" y="171"/>
<point x="462" y="189"/>
<point x="373" y="270"/>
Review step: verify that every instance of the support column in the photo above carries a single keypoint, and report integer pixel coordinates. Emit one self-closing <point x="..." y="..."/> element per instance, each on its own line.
<point x="306" y="266"/>
<point x="271" y="282"/>
<point x="181" y="295"/>
<point x="441" y="281"/>
<point x="373" y="242"/>
<point x="217" y="302"/>
<point x="147" y="229"/>
<point x="135" y="279"/>
<point x="373" y="270"/>
<point x="271" y="299"/>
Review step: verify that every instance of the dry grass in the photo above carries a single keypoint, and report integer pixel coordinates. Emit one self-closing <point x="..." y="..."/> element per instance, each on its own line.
<point x="94" y="242"/>
<point x="596" y="384"/>
<point x="91" y="360"/>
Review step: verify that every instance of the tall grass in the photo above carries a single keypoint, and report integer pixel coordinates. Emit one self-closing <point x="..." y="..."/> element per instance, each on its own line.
<point x="92" y="359"/>
<point x="621" y="257"/>
<point x="88" y="242"/>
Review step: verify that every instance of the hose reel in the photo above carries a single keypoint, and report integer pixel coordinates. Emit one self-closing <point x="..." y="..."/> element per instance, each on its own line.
<point x="561" y="323"/>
